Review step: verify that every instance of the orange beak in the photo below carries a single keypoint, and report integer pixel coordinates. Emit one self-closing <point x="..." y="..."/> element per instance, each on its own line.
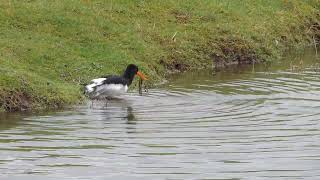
<point x="141" y="75"/>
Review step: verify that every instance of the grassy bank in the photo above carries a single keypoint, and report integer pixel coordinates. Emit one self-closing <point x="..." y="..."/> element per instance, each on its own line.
<point x="49" y="48"/>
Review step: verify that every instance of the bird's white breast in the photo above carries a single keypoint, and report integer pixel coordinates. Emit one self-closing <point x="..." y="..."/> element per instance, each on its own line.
<point x="96" y="89"/>
<point x="111" y="90"/>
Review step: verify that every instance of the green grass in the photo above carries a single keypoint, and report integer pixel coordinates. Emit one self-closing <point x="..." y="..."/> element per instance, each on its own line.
<point x="48" y="48"/>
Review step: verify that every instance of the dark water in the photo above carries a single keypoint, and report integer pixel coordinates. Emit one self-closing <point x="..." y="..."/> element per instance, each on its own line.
<point x="259" y="122"/>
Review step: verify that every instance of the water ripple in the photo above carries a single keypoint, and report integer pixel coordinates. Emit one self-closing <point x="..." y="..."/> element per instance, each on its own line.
<point x="260" y="125"/>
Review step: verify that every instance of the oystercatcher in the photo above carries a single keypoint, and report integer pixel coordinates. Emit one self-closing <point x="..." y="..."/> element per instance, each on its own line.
<point x="112" y="85"/>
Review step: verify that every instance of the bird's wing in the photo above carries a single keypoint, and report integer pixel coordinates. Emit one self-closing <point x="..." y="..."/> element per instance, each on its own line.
<point x="98" y="81"/>
<point x="115" y="80"/>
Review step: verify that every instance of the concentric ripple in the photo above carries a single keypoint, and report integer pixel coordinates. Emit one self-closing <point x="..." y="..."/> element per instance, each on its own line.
<point x="248" y="124"/>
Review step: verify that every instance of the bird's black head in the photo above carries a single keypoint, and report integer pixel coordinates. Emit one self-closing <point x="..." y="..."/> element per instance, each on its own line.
<point x="130" y="72"/>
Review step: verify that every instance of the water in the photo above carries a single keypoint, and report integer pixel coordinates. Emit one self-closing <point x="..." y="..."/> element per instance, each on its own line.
<point x="245" y="123"/>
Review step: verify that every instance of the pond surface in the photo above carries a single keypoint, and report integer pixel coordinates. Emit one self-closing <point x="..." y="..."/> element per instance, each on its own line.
<point x="249" y="122"/>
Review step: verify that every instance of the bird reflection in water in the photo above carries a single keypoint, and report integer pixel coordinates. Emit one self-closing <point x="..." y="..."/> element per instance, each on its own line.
<point x="118" y="107"/>
<point x="131" y="119"/>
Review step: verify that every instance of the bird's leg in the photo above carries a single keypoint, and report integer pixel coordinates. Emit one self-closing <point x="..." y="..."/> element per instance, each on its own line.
<point x="106" y="101"/>
<point x="92" y="104"/>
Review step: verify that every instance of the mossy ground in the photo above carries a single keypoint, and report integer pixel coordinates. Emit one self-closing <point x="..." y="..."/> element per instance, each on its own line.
<point x="49" y="48"/>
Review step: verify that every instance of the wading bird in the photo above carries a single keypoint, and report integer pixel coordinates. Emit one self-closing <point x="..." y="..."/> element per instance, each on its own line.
<point x="112" y="85"/>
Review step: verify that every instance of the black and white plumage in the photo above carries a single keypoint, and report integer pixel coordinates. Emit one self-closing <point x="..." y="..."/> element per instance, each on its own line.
<point x="112" y="85"/>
